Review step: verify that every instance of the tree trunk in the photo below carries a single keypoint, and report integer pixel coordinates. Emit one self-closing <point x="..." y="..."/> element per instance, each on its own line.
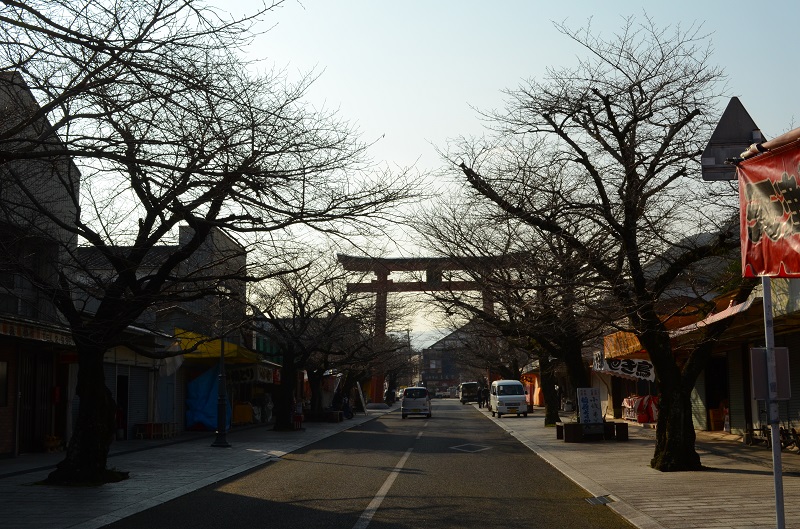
<point x="391" y="384"/>
<point x="675" y="436"/>
<point x="284" y="408"/>
<point x="315" y="383"/>
<point x="87" y="450"/>
<point x="576" y="369"/>
<point x="551" y="401"/>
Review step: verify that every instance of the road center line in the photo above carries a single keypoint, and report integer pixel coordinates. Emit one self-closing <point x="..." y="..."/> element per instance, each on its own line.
<point x="369" y="512"/>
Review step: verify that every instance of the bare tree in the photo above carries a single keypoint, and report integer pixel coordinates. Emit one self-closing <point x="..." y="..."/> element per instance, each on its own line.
<point x="605" y="157"/>
<point x="168" y="127"/>
<point x="319" y="326"/>
<point x="541" y="292"/>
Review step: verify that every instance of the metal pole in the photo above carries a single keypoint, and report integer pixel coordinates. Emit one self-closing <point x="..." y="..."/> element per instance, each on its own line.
<point x="222" y="409"/>
<point x="772" y="402"/>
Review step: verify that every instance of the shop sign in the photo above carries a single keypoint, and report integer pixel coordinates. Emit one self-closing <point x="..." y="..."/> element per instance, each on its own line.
<point x="621" y="343"/>
<point x="251" y="374"/>
<point x="30" y="332"/>
<point x="624" y="367"/>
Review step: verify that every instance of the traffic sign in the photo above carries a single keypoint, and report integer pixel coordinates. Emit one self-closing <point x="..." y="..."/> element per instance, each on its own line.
<point x="735" y="132"/>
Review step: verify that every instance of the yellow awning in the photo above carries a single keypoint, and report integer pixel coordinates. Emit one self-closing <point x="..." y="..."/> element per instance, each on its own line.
<point x="201" y="347"/>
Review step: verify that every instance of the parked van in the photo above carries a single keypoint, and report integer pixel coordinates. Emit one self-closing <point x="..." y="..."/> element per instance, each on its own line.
<point x="506" y="397"/>
<point x="468" y="392"/>
<point x="416" y="401"/>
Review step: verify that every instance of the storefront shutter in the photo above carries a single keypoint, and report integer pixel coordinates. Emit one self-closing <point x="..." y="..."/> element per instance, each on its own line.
<point x="699" y="408"/>
<point x="736" y="390"/>
<point x="166" y="399"/>
<point x="138" y="391"/>
<point x="180" y="399"/>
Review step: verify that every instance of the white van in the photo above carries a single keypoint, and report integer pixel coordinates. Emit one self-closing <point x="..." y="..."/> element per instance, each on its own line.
<point x="416" y="401"/>
<point x="506" y="397"/>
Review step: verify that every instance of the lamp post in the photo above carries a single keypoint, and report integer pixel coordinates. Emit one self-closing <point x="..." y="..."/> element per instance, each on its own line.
<point x="220" y="441"/>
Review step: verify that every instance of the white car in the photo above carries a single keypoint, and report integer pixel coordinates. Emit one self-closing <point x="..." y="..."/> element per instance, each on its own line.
<point x="416" y="401"/>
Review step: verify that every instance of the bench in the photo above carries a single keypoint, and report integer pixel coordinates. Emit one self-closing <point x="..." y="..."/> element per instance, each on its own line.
<point x="616" y="430"/>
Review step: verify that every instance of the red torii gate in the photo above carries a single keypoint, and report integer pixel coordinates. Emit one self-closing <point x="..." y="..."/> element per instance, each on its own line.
<point x="433" y="268"/>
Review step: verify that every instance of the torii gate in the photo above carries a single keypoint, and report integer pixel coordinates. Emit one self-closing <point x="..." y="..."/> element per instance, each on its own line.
<point x="433" y="268"/>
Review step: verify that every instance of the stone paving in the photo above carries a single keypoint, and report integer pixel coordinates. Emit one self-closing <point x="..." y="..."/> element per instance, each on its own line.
<point x="738" y="491"/>
<point x="159" y="473"/>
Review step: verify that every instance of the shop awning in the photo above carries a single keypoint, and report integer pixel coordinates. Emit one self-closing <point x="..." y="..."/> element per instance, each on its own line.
<point x="731" y="311"/>
<point x="201" y="347"/>
<point x="623" y="344"/>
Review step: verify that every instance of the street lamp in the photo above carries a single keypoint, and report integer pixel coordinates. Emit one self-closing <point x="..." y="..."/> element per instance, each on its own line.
<point x="220" y="441"/>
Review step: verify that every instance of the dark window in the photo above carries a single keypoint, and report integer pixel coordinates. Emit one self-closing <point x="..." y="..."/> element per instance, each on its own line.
<point x="416" y="393"/>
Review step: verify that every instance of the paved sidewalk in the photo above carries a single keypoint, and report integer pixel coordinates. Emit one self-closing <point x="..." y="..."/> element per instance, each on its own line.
<point x="738" y="491"/>
<point x="160" y="471"/>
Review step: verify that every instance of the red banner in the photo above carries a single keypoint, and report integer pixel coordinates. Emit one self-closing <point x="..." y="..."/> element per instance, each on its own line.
<point x="769" y="198"/>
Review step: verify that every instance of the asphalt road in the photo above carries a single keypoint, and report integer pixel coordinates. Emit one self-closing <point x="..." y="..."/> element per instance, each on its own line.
<point x="456" y="469"/>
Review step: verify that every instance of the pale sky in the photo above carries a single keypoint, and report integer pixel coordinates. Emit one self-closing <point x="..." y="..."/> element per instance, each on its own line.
<point x="408" y="73"/>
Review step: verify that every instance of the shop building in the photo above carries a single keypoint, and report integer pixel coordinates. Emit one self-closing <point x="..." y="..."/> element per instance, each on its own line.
<point x="38" y="360"/>
<point x="722" y="397"/>
<point x="33" y="339"/>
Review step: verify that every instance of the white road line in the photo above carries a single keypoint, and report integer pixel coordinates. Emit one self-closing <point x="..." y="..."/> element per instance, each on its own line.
<point x="369" y="512"/>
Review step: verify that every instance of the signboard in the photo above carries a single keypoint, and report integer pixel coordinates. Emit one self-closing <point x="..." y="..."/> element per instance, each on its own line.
<point x="634" y="368"/>
<point x="361" y="396"/>
<point x="590" y="411"/>
<point x="735" y="132"/>
<point x="769" y="200"/>
<point x="758" y="373"/>
<point x="250" y="374"/>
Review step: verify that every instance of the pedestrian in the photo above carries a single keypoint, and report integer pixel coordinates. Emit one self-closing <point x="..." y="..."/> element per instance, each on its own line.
<point x="485" y="396"/>
<point x="479" y="397"/>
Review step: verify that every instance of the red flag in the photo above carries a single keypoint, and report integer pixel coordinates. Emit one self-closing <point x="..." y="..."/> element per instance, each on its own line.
<point x="770" y="213"/>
